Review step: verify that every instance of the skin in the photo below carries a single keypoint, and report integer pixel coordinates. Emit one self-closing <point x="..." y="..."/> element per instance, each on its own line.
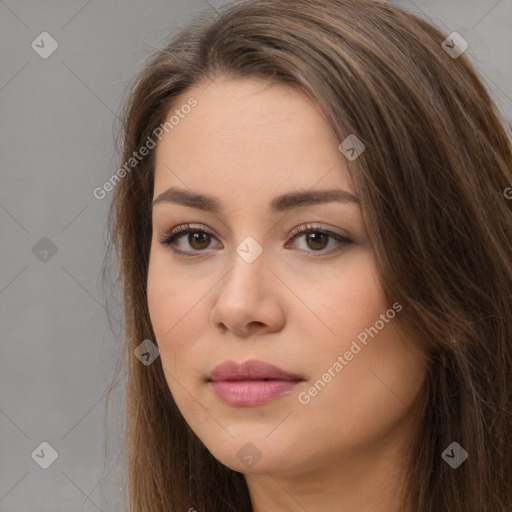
<point x="245" y="143"/>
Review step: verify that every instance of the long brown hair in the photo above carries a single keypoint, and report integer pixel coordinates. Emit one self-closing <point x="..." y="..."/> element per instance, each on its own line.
<point x="431" y="182"/>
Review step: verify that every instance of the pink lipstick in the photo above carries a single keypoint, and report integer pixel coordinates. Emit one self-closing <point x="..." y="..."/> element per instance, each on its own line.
<point x="250" y="383"/>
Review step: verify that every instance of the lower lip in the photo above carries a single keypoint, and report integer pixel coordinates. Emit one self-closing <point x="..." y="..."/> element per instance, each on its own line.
<point x="247" y="393"/>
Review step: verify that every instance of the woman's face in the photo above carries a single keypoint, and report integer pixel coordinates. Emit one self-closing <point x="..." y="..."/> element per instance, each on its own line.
<point x="246" y="287"/>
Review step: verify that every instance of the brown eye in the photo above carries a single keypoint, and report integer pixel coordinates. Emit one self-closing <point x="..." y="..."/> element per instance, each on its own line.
<point x="317" y="241"/>
<point x="199" y="239"/>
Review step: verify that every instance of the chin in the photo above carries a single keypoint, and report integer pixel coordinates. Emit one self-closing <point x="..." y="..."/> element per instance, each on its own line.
<point x="258" y="457"/>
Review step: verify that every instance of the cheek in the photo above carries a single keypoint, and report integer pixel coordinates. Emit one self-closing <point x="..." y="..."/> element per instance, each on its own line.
<point x="343" y="301"/>
<point x="174" y="303"/>
<point x="353" y="317"/>
<point x="174" y="307"/>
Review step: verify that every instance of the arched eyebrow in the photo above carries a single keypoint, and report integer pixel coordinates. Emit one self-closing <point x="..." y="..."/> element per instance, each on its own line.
<point x="282" y="203"/>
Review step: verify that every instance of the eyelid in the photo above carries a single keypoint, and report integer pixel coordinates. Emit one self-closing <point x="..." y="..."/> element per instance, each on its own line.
<point x="312" y="226"/>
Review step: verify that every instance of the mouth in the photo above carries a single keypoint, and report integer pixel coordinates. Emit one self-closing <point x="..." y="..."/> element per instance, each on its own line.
<point x="251" y="383"/>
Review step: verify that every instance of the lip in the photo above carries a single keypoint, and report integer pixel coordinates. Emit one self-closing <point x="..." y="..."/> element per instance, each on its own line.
<point x="251" y="383"/>
<point x="250" y="370"/>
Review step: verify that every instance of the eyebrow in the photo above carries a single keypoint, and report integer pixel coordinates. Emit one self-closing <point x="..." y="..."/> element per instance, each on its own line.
<point x="280" y="203"/>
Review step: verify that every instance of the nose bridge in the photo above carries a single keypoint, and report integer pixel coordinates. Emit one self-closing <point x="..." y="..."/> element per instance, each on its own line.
<point x="250" y="250"/>
<point x="243" y="298"/>
<point x="247" y="300"/>
<point x="248" y="267"/>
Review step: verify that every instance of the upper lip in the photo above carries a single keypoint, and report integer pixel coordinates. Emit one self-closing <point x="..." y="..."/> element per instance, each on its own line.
<point x="250" y="370"/>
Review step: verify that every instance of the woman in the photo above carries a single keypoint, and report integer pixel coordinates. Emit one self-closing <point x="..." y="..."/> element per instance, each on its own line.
<point x="313" y="230"/>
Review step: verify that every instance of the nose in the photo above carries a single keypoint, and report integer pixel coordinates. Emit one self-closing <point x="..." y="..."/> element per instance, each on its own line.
<point x="249" y="299"/>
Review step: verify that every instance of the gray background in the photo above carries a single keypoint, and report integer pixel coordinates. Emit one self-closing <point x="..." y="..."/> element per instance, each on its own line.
<point x="58" y="119"/>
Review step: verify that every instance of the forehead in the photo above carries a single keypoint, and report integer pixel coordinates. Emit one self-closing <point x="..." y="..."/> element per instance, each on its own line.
<point x="250" y="135"/>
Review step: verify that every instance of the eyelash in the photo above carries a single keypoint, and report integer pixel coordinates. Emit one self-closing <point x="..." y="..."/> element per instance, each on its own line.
<point x="169" y="238"/>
